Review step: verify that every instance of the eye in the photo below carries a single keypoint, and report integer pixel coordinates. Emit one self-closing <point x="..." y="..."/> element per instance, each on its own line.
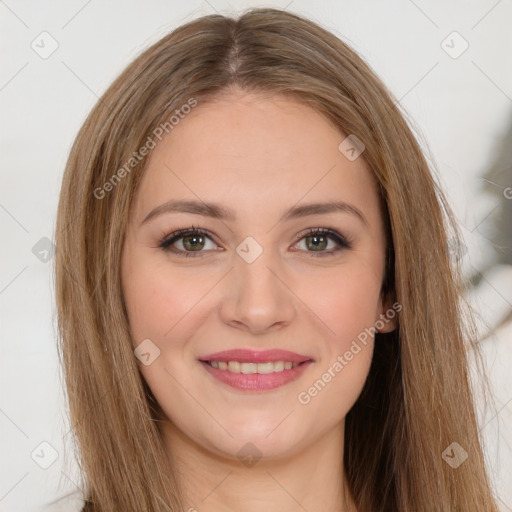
<point x="193" y="240"/>
<point x="317" y="239"/>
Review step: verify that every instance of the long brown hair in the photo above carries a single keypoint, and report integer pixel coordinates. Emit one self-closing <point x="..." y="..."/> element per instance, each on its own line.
<point x="416" y="401"/>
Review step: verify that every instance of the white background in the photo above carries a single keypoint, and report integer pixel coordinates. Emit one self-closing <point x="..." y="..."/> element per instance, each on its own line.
<point x="461" y="109"/>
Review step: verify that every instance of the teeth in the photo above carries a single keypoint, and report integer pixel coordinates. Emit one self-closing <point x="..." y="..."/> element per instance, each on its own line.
<point x="249" y="368"/>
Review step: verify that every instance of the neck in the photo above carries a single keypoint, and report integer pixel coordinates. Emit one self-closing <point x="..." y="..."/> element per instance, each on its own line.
<point x="311" y="478"/>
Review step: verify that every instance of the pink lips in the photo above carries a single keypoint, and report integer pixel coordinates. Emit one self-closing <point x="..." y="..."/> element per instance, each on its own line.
<point x="256" y="381"/>
<point x="251" y="356"/>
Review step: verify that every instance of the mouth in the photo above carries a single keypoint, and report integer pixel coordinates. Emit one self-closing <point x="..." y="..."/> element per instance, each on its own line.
<point x="242" y="355"/>
<point x="248" y="370"/>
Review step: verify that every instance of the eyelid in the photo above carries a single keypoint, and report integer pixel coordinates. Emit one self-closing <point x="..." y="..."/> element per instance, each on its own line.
<point x="333" y="233"/>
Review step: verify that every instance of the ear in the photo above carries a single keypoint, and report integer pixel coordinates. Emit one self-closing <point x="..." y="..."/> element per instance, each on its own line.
<point x="387" y="320"/>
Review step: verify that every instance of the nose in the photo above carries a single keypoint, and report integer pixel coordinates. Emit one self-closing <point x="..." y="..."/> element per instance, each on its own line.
<point x="257" y="297"/>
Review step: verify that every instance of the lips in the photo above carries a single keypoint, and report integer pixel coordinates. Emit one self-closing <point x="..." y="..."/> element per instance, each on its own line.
<point x="252" y="356"/>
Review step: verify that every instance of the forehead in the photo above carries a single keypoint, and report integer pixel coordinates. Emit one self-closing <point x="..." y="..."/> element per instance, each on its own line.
<point x="254" y="153"/>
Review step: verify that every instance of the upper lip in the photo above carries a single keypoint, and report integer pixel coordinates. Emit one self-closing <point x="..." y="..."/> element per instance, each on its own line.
<point x="252" y="356"/>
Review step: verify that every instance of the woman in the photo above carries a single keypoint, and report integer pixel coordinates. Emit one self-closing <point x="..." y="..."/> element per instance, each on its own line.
<point x="256" y="303"/>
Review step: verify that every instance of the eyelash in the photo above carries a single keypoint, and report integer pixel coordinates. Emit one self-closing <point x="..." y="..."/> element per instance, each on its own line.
<point x="342" y="241"/>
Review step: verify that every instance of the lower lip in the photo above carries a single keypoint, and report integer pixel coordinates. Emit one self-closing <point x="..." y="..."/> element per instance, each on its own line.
<point x="257" y="381"/>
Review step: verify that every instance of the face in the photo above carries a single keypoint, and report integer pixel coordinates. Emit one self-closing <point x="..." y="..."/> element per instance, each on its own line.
<point x="257" y="272"/>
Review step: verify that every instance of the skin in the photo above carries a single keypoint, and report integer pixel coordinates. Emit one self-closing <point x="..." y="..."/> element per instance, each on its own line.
<point x="259" y="156"/>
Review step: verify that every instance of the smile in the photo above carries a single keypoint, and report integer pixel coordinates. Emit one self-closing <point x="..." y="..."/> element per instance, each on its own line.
<point x="255" y="376"/>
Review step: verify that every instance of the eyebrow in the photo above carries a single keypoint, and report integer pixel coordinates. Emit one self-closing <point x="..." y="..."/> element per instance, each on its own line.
<point x="220" y="212"/>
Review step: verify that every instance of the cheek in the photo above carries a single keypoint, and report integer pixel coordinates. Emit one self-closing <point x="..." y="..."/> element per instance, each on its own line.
<point x="159" y="298"/>
<point x="346" y="301"/>
<point x="337" y="383"/>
